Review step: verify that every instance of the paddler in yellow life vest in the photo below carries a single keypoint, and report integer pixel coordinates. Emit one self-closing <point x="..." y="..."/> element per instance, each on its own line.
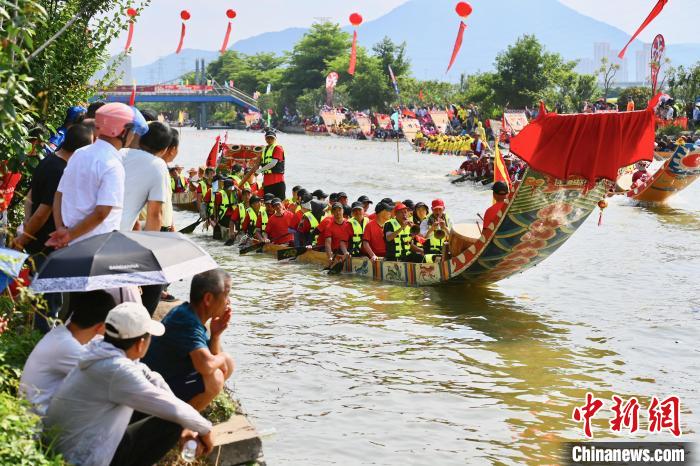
<point x="291" y="203"/>
<point x="397" y="234"/>
<point x="178" y="183"/>
<point x="240" y="210"/>
<point x="237" y="177"/>
<point x="358" y="222"/>
<point x="256" y="219"/>
<point x="221" y="202"/>
<point x="272" y="167"/>
<point x="203" y="188"/>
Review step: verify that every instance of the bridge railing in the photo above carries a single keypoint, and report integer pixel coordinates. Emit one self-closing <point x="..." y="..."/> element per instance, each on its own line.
<point x="228" y="90"/>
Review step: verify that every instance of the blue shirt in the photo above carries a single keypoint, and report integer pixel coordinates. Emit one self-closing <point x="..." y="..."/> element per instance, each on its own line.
<point x="169" y="354"/>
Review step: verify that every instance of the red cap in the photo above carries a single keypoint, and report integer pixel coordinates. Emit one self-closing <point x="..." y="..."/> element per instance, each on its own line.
<point x="399" y="206"/>
<point x="438" y="203"/>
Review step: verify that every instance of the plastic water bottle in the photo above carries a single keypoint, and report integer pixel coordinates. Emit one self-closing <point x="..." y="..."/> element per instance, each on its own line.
<point x="189" y="452"/>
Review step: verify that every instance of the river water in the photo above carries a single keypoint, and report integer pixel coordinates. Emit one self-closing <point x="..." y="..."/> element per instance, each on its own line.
<point x="355" y="372"/>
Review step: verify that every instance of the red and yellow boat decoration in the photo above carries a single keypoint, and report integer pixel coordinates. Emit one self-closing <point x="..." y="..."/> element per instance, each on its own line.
<point x="676" y="174"/>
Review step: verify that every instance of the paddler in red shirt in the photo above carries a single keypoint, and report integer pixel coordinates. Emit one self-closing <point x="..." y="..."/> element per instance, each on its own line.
<point x="279" y="224"/>
<point x="373" y="242"/>
<point x="366" y="203"/>
<point x="337" y="236"/>
<point x="272" y="166"/>
<point x="500" y="192"/>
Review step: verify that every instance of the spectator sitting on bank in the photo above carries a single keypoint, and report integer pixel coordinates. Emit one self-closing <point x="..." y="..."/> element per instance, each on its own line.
<point x="193" y="365"/>
<point x="91" y="410"/>
<point x="60" y="350"/>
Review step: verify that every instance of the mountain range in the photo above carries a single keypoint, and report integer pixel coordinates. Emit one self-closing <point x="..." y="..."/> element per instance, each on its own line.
<point x="429" y="28"/>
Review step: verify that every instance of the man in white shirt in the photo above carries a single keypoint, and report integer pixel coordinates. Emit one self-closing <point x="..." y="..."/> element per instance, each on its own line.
<point x="59" y="351"/>
<point x="92" y="408"/>
<point x="90" y="195"/>
<point x="146" y="176"/>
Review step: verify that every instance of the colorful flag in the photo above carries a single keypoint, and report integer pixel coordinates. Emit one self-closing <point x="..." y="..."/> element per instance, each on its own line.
<point x="393" y="80"/>
<point x="211" y="159"/>
<point x="420" y="95"/>
<point x="181" y="117"/>
<point x="500" y="171"/>
<point x="653" y="14"/>
<point x="269" y="88"/>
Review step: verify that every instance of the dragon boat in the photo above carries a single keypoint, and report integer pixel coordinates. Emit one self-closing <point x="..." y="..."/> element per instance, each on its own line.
<point x="676" y="174"/>
<point x="571" y="168"/>
<point x="231" y="154"/>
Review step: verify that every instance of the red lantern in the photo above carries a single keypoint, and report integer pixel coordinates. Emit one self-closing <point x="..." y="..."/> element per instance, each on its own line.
<point x="602" y="204"/>
<point x="355" y="19"/>
<point x="131" y="12"/>
<point x="463" y="9"/>
<point x="231" y="14"/>
<point x="185" y="15"/>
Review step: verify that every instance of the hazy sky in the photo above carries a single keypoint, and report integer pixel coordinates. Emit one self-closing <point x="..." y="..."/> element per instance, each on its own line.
<point x="158" y="29"/>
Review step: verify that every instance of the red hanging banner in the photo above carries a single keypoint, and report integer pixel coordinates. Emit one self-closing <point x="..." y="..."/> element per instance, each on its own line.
<point x="185" y="15"/>
<point x="463" y="10"/>
<point x="230" y="14"/>
<point x="353" y="54"/>
<point x="654" y="13"/>
<point x="131" y="13"/>
<point x="458" y="45"/>
<point x="355" y="20"/>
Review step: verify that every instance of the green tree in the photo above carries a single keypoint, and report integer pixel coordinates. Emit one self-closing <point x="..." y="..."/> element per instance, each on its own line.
<point x="368" y="88"/>
<point x="570" y="90"/>
<point x="250" y="73"/>
<point x="524" y="71"/>
<point x="308" y="61"/>
<point x="391" y="54"/>
<point x="607" y="73"/>
<point x="684" y="84"/>
<point x="640" y="96"/>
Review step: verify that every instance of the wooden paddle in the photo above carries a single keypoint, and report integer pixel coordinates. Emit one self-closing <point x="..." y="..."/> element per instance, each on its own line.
<point x="189" y="229"/>
<point x="256" y="246"/>
<point x="232" y="241"/>
<point x="291" y="253"/>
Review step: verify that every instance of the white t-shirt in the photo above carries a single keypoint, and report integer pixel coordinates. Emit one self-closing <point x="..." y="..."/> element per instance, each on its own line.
<point x="94" y="176"/>
<point x="48" y="364"/>
<point x="146" y="178"/>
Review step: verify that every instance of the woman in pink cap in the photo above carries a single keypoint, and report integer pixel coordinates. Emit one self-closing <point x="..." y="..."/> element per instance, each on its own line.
<point x="90" y="194"/>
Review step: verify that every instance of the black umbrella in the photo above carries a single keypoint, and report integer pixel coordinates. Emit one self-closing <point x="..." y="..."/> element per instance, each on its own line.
<point x="119" y="259"/>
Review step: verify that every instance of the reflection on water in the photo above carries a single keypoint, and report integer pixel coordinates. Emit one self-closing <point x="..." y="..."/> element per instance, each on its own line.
<point x="357" y="372"/>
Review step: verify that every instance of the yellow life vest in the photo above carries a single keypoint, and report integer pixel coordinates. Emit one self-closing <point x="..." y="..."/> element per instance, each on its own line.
<point x="402" y="241"/>
<point x="357" y="230"/>
<point x="223" y="207"/>
<point x="254" y="219"/>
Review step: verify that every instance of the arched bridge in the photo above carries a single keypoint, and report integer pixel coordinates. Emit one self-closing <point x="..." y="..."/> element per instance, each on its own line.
<point x="183" y="93"/>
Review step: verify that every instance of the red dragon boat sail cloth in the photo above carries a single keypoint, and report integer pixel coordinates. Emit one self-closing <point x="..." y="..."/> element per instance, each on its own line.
<point x="592" y="146"/>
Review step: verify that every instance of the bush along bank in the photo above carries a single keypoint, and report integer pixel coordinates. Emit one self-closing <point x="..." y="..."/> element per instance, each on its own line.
<point x="20" y="429"/>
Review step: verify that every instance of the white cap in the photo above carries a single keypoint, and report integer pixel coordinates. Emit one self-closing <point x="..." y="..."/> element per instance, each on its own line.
<point x="131" y="320"/>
